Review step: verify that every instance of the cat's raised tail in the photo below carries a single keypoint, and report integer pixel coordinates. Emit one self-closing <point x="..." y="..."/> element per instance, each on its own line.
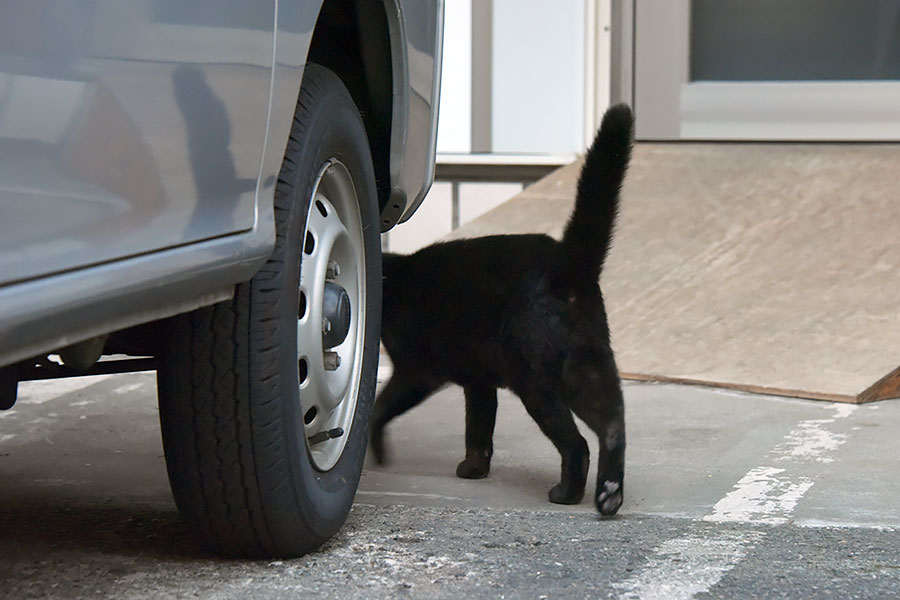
<point x="588" y="233"/>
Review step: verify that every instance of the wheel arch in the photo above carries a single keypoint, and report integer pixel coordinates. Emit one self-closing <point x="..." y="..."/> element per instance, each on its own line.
<point x="374" y="70"/>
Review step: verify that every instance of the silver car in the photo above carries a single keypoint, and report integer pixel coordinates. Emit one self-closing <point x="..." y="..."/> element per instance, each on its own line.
<point x="199" y="188"/>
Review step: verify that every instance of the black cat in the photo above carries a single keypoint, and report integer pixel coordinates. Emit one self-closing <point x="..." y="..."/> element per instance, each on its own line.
<point x="522" y="312"/>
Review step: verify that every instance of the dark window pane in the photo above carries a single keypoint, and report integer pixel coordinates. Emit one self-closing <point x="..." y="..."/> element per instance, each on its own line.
<point x="785" y="40"/>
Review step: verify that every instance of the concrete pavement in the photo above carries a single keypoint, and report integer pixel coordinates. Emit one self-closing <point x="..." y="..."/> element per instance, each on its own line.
<point x="687" y="448"/>
<point x="727" y="495"/>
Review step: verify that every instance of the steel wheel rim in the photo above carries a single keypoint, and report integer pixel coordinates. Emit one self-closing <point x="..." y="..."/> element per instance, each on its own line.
<point x="333" y="236"/>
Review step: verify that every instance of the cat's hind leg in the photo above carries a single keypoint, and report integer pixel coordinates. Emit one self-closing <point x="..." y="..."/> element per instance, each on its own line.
<point x="400" y="393"/>
<point x="481" y="415"/>
<point x="595" y="396"/>
<point x="555" y="420"/>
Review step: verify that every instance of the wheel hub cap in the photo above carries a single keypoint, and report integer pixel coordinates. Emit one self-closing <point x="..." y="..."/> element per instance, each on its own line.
<point x="336" y="315"/>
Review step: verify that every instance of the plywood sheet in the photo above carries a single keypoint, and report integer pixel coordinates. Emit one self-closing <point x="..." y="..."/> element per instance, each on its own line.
<point x="765" y="267"/>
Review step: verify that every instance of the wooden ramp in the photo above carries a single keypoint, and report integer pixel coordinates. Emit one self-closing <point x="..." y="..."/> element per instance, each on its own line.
<point x="762" y="267"/>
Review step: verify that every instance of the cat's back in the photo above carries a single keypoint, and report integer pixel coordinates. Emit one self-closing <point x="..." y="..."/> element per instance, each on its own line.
<point x="448" y="302"/>
<point x="468" y="254"/>
<point x="490" y="265"/>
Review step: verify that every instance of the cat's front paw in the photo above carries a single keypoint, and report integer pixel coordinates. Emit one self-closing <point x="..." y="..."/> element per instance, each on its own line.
<point x="560" y="494"/>
<point x="609" y="497"/>
<point x="473" y="469"/>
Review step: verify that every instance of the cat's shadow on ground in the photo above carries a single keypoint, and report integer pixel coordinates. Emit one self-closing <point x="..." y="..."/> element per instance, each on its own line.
<point x="528" y="484"/>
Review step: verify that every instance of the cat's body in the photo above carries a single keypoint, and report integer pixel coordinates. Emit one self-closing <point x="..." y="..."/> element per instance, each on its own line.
<point x="522" y="312"/>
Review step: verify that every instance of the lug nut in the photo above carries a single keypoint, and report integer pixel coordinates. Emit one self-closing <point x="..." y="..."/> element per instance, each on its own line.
<point x="332" y="361"/>
<point x="333" y="270"/>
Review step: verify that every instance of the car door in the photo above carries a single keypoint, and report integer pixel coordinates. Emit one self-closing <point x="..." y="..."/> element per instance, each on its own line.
<point x="127" y="127"/>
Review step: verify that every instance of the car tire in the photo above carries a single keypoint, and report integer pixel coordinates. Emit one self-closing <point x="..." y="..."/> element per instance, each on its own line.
<point x="264" y="412"/>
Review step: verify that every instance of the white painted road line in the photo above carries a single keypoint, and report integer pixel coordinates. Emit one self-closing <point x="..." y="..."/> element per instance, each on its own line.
<point x="769" y="493"/>
<point x="683" y="567"/>
<point x="680" y="568"/>
<point x="763" y="495"/>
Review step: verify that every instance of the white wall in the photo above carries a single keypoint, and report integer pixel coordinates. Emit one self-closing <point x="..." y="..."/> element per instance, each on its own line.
<point x="538" y="76"/>
<point x="544" y="67"/>
<point x="538" y="85"/>
<point x="455" y="117"/>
